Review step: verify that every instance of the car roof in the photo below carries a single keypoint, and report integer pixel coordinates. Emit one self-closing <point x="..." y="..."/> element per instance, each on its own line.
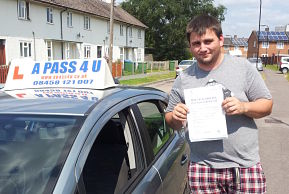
<point x="60" y="103"/>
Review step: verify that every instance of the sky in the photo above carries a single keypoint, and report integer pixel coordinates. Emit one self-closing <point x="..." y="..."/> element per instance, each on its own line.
<point x="242" y="16"/>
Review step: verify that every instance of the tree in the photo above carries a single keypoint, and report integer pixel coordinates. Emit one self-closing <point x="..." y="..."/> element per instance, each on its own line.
<point x="167" y="20"/>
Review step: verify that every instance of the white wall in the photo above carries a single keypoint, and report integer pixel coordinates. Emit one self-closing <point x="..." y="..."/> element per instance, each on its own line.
<point x="37" y="31"/>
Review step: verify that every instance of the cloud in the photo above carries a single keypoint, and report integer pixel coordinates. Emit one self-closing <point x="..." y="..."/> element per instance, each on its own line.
<point x="243" y="16"/>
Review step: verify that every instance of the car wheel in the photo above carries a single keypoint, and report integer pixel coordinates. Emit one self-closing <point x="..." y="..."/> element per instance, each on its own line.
<point x="284" y="70"/>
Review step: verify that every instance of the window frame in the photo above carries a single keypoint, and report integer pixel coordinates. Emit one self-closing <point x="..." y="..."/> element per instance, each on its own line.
<point x="150" y="156"/>
<point x="25" y="48"/>
<point x="121" y="53"/>
<point x="69" y="19"/>
<point x="265" y="44"/>
<point x="126" y="109"/>
<point x="121" y="27"/>
<point x="139" y="34"/>
<point x="139" y="54"/>
<point x="67" y="50"/>
<point x="49" y="47"/>
<point x="23" y="9"/>
<point x="87" y="51"/>
<point x="86" y="23"/>
<point x="99" y="51"/>
<point x="49" y="15"/>
<point x="280" y="45"/>
<point x="130" y="32"/>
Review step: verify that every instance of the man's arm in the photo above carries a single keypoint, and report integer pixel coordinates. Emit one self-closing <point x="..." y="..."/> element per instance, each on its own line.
<point x="257" y="109"/>
<point x="177" y="117"/>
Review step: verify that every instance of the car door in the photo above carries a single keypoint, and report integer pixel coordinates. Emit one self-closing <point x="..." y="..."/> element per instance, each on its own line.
<point x="116" y="160"/>
<point x="169" y="150"/>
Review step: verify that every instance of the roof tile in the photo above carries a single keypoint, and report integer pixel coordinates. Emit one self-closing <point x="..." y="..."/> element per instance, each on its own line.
<point x="97" y="8"/>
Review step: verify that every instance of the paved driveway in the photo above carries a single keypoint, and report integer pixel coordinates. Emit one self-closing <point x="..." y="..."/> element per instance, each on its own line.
<point x="274" y="135"/>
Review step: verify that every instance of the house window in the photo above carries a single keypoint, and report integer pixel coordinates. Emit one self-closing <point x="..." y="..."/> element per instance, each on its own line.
<point x="25" y="49"/>
<point x="236" y="48"/>
<point x="87" y="52"/>
<point x="49" y="50"/>
<point x="280" y="45"/>
<point x="139" y="54"/>
<point x="245" y="48"/>
<point x="67" y="51"/>
<point x="121" y="56"/>
<point x="49" y="13"/>
<point x="139" y="33"/>
<point x="265" y="44"/>
<point x="69" y="19"/>
<point x="23" y="10"/>
<point x="108" y="27"/>
<point x="86" y="22"/>
<point x="254" y="44"/>
<point x="99" y="51"/>
<point x="121" y="30"/>
<point x="226" y="47"/>
<point x="130" y="31"/>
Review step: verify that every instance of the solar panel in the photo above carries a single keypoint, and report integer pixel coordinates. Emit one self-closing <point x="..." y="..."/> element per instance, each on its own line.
<point x="272" y="36"/>
<point x="239" y="42"/>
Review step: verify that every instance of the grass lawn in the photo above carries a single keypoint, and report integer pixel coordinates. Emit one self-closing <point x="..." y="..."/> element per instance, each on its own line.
<point x="148" y="79"/>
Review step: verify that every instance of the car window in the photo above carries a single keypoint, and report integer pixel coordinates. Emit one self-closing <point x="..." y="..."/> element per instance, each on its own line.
<point x="155" y="123"/>
<point x="114" y="157"/>
<point x="186" y="63"/>
<point x="33" y="150"/>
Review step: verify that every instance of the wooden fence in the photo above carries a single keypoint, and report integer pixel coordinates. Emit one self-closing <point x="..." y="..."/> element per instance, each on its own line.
<point x="3" y="73"/>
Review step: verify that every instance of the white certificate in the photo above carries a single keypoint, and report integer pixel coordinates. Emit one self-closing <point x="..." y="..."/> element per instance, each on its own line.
<point x="206" y="118"/>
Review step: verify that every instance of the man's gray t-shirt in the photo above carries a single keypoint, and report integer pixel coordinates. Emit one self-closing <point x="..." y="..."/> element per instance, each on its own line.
<point x="245" y="82"/>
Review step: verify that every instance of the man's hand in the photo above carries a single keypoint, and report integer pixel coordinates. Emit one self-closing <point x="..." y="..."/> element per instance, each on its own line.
<point x="180" y="112"/>
<point x="178" y="116"/>
<point x="233" y="106"/>
<point x="256" y="109"/>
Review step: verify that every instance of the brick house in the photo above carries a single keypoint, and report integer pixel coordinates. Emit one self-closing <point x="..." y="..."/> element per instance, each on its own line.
<point x="235" y="46"/>
<point x="271" y="43"/>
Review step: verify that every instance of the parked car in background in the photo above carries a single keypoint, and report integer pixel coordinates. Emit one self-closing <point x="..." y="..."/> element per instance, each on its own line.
<point x="284" y="65"/>
<point x="66" y="127"/>
<point x="184" y="64"/>
<point x="258" y="64"/>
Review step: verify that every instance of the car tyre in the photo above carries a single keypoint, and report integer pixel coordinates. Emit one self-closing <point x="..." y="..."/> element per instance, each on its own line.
<point x="284" y="70"/>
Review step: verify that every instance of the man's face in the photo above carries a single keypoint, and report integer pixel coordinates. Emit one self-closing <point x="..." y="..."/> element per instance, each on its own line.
<point x="206" y="48"/>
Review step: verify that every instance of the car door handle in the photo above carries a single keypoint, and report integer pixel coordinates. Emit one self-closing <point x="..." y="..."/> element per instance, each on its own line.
<point x="184" y="159"/>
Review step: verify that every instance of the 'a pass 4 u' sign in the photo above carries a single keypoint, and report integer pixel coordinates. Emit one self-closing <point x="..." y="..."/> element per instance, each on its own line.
<point x="79" y="73"/>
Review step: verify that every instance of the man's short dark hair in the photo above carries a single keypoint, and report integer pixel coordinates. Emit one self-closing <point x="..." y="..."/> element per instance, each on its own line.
<point x="201" y="23"/>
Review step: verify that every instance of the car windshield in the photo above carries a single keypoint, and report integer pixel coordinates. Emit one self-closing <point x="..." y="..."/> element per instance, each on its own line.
<point x="33" y="150"/>
<point x="186" y="63"/>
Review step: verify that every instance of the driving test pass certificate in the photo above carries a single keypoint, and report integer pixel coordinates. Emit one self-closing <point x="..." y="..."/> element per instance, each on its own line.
<point x="206" y="118"/>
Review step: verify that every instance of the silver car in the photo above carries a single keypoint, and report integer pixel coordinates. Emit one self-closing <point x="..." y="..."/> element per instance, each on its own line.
<point x="184" y="64"/>
<point x="72" y="140"/>
<point x="258" y="63"/>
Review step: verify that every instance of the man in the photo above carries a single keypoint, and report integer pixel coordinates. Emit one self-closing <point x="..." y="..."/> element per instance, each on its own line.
<point x="229" y="165"/>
